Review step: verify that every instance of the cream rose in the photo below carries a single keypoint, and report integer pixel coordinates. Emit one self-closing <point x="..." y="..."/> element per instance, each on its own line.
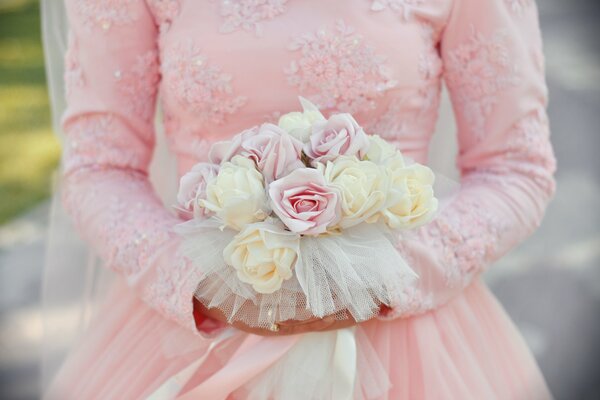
<point x="380" y="150"/>
<point x="363" y="186"/>
<point x="237" y="195"/>
<point x="299" y="124"/>
<point x="411" y="201"/>
<point x="263" y="255"/>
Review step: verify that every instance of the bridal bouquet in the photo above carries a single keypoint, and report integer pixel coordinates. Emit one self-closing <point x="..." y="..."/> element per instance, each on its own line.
<point x="300" y="219"/>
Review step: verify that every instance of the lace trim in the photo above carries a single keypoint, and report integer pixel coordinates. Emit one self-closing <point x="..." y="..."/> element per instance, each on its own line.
<point x="465" y="240"/>
<point x="337" y="70"/>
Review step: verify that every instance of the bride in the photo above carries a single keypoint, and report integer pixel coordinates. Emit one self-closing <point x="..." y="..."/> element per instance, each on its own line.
<point x="221" y="66"/>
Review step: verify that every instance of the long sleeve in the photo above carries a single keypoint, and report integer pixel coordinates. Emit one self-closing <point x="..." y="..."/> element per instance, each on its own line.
<point x="494" y="71"/>
<point x="112" y="76"/>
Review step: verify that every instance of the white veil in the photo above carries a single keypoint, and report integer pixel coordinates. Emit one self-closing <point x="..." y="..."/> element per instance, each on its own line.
<point x="73" y="280"/>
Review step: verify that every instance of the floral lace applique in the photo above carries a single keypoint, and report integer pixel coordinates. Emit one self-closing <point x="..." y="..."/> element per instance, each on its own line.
<point x="518" y="6"/>
<point x="98" y="139"/>
<point x="248" y="14"/>
<point x="73" y="72"/>
<point x="105" y="13"/>
<point x="409" y="114"/>
<point x="476" y="71"/>
<point x="165" y="11"/>
<point x="131" y="230"/>
<point x="530" y="144"/>
<point x="430" y="63"/>
<point x="140" y="84"/>
<point x="465" y="238"/>
<point x="345" y="72"/>
<point x="200" y="85"/>
<point x="404" y="8"/>
<point x="172" y="290"/>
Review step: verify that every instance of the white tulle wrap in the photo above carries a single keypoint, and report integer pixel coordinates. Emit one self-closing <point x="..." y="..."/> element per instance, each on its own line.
<point x="334" y="274"/>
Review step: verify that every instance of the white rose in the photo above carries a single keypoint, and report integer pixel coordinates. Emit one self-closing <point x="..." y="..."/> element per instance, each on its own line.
<point x="380" y="150"/>
<point x="237" y="195"/>
<point x="411" y="201"/>
<point x="264" y="255"/>
<point x="298" y="124"/>
<point x="363" y="186"/>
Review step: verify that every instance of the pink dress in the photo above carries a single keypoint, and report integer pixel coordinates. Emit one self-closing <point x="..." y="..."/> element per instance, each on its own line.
<point x="224" y="65"/>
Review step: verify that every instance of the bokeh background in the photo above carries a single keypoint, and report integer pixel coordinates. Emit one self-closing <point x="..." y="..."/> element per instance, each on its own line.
<point x="550" y="285"/>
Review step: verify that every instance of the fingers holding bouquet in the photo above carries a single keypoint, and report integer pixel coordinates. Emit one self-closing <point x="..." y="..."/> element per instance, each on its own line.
<point x="301" y="213"/>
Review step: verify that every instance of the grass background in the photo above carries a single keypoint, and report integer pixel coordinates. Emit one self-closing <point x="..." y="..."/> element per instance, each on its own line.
<point x="29" y="152"/>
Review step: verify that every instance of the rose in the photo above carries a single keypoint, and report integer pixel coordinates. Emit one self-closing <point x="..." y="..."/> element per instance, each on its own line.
<point x="380" y="150"/>
<point x="363" y="186"/>
<point x="411" y="201"/>
<point x="339" y="135"/>
<point x="192" y="188"/>
<point x="299" y="124"/>
<point x="224" y="150"/>
<point x="237" y="195"/>
<point x="263" y="255"/>
<point x="274" y="151"/>
<point x="304" y="202"/>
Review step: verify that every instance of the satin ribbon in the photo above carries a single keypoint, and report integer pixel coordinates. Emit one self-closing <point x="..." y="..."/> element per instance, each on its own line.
<point x="344" y="364"/>
<point x="254" y="357"/>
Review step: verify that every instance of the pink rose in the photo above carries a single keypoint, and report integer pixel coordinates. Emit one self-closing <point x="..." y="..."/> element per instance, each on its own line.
<point x="339" y="135"/>
<point x="225" y="150"/>
<point x="192" y="187"/>
<point x="274" y="151"/>
<point x="304" y="202"/>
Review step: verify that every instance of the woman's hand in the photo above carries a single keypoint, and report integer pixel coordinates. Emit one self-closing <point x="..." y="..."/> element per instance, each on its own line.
<point x="289" y="327"/>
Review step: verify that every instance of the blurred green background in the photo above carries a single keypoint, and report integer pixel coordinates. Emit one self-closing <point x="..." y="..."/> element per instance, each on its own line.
<point x="29" y="152"/>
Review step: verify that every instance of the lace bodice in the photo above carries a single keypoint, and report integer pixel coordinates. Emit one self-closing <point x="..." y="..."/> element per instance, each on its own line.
<point x="223" y="65"/>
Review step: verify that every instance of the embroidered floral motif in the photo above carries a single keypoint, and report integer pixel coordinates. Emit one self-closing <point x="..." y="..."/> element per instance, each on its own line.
<point x="345" y="73"/>
<point x="129" y="231"/>
<point x="172" y="289"/>
<point x="165" y="11"/>
<point x="476" y="71"/>
<point x="465" y="239"/>
<point x="518" y="6"/>
<point x="105" y="13"/>
<point x="404" y="8"/>
<point x="411" y="114"/>
<point x="430" y="63"/>
<point x="199" y="85"/>
<point x="98" y="139"/>
<point x="73" y="72"/>
<point x="530" y="144"/>
<point x="248" y="14"/>
<point x="140" y="85"/>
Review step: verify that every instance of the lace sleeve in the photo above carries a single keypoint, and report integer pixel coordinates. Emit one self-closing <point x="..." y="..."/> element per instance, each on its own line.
<point x="494" y="70"/>
<point x="112" y="78"/>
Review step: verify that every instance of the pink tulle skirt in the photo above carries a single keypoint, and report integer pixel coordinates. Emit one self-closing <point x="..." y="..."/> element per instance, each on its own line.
<point x="467" y="349"/>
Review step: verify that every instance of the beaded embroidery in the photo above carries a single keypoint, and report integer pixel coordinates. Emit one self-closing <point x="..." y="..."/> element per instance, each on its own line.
<point x="337" y="70"/>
